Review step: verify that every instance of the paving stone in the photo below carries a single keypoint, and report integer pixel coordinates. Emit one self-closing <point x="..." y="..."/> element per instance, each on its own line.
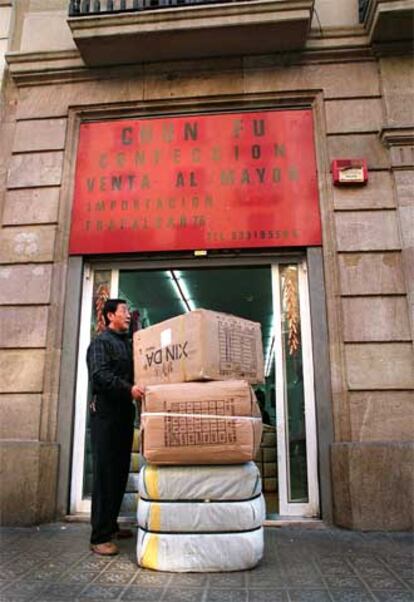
<point x="14" y="598"/>
<point x="224" y="580"/>
<point x="114" y="578"/>
<point x="23" y="589"/>
<point x="185" y="595"/>
<point x="384" y="582"/>
<point x="101" y="592"/>
<point x="144" y="594"/>
<point x="273" y="595"/>
<point x="46" y="574"/>
<point x="188" y="580"/>
<point x="14" y="570"/>
<point x="300" y="581"/>
<point x="266" y="583"/>
<point x="225" y="595"/>
<point x="152" y="578"/>
<point x="350" y="595"/>
<point x="308" y="595"/>
<point x="52" y="563"/>
<point x="94" y="563"/>
<point x="348" y="581"/>
<point x="393" y="596"/>
<point x="80" y="577"/>
<point x="66" y="591"/>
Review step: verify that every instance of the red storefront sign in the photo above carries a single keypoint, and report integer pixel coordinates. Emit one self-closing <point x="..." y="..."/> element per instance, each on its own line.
<point x="196" y="182"/>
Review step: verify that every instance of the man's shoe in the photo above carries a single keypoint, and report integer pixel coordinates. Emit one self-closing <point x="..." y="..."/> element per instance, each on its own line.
<point x="105" y="549"/>
<point x="124" y="534"/>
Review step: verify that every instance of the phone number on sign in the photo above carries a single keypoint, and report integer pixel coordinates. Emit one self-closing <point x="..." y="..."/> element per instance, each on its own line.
<point x="253" y="235"/>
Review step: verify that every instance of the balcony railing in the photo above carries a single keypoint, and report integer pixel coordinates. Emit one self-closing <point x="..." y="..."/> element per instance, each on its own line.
<point x="388" y="21"/>
<point x="80" y="8"/>
<point x="363" y="8"/>
<point x="120" y="32"/>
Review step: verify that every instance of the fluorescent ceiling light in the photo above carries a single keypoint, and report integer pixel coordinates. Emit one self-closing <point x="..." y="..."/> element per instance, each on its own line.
<point x="270" y="351"/>
<point x="181" y="289"/>
<point x="269" y="357"/>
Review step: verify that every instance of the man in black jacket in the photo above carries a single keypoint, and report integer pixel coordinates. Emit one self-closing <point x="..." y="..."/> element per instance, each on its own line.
<point x="112" y="413"/>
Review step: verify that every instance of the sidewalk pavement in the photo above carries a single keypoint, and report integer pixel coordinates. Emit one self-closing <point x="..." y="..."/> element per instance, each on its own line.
<point x="52" y="563"/>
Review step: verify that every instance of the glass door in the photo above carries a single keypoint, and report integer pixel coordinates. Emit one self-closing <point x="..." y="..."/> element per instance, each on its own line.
<point x="295" y="400"/>
<point x="276" y="296"/>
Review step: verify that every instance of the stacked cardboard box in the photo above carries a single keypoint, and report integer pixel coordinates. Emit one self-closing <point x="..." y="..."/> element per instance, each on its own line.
<point x="199" y="345"/>
<point x="266" y="459"/>
<point x="199" y="433"/>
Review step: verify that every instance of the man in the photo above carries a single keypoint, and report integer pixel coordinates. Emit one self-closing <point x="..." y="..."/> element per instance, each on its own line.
<point x="112" y="413"/>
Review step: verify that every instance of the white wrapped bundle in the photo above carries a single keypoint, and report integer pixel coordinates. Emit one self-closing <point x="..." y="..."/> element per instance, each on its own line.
<point x="200" y="552"/>
<point x="194" y="517"/>
<point x="137" y="462"/>
<point x="224" y="482"/>
<point x="129" y="503"/>
<point x="133" y="482"/>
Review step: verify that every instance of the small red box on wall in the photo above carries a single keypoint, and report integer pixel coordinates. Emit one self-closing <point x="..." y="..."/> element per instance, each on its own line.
<point x="347" y="172"/>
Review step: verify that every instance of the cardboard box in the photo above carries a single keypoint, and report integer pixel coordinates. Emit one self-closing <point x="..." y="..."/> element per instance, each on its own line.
<point x="173" y="438"/>
<point x="199" y="345"/>
<point x="224" y="398"/>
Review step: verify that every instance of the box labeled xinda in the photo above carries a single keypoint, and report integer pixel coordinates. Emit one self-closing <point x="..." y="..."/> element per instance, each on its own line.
<point x="199" y="345"/>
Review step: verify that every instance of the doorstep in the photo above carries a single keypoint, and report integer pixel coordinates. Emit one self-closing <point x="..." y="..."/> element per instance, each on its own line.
<point x="280" y="521"/>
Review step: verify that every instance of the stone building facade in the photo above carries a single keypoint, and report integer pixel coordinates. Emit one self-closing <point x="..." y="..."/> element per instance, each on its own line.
<point x="351" y="64"/>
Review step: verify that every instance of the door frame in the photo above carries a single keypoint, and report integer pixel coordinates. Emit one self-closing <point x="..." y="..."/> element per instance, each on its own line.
<point x="82" y="506"/>
<point x="287" y="508"/>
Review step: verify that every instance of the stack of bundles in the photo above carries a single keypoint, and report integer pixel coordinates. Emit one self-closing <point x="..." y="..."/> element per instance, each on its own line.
<point x="201" y="506"/>
<point x="200" y="518"/>
<point x="130" y="499"/>
<point x="266" y="459"/>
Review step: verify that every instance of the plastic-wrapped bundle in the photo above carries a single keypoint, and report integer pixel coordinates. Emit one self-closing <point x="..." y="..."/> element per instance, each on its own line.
<point x="136" y="462"/>
<point x="133" y="482"/>
<point x="135" y="441"/>
<point x="223" y="482"/>
<point x="129" y="503"/>
<point x="195" y="517"/>
<point x="200" y="552"/>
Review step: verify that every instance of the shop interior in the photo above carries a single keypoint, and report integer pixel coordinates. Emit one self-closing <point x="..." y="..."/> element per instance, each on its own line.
<point x="245" y="291"/>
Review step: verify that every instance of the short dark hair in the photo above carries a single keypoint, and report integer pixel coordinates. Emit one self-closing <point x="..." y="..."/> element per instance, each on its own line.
<point x="110" y="307"/>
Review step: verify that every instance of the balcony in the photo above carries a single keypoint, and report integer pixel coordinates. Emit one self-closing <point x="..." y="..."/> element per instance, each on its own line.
<point x="115" y="32"/>
<point x="388" y="20"/>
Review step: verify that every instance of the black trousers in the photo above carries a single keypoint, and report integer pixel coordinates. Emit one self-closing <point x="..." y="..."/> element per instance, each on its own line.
<point x="111" y="439"/>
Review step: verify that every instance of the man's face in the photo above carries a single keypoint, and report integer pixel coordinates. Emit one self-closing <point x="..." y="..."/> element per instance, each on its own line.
<point x="120" y="319"/>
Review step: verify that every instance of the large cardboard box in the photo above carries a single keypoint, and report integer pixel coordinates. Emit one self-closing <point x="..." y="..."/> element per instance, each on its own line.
<point x="217" y="422"/>
<point x="199" y="345"/>
<point x="183" y="439"/>
<point x="223" y="398"/>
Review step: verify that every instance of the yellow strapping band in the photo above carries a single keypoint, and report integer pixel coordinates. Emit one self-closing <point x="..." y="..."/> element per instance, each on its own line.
<point x="151" y="481"/>
<point x="135" y="443"/>
<point x="149" y="558"/>
<point x="154" y="519"/>
<point x="134" y="462"/>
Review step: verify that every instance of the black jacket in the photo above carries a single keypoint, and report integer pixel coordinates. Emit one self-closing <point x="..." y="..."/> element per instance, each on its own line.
<point x="109" y="359"/>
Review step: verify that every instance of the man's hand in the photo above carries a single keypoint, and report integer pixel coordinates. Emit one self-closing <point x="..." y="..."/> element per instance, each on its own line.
<point x="137" y="392"/>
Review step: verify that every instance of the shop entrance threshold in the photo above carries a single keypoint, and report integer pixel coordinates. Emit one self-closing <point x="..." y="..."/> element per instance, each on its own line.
<point x="277" y="521"/>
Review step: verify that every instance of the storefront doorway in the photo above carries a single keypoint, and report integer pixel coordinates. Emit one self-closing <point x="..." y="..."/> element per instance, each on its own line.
<point x="274" y="294"/>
